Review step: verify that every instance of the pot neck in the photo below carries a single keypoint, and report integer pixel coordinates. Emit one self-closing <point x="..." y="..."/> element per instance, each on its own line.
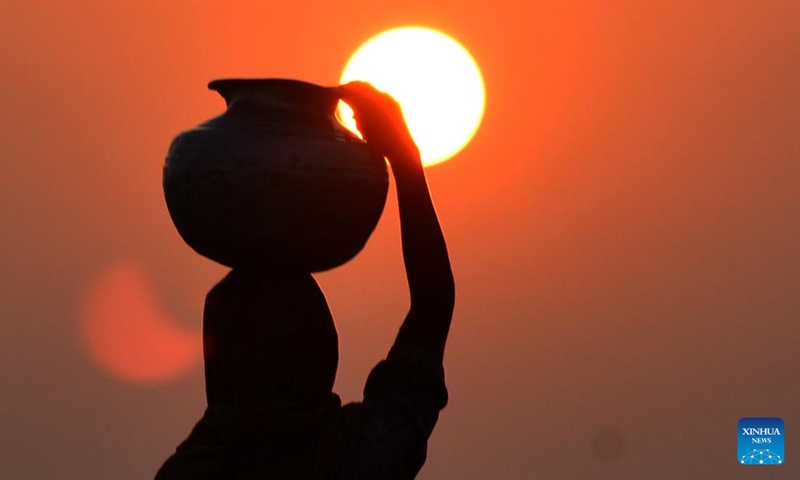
<point x="276" y="93"/>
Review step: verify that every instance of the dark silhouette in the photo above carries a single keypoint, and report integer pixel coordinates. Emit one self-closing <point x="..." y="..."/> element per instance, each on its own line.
<point x="274" y="182"/>
<point x="271" y="353"/>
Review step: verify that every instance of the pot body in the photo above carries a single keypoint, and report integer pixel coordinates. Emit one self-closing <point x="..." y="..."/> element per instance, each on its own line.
<point x="275" y="182"/>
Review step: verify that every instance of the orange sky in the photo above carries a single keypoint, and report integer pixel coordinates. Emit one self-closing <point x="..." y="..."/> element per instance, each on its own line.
<point x="623" y="227"/>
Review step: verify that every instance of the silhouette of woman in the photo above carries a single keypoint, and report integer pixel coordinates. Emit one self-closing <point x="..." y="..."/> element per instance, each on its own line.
<point x="271" y="353"/>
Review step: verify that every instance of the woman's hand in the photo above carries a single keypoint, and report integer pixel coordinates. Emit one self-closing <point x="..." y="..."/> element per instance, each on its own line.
<point x="380" y="120"/>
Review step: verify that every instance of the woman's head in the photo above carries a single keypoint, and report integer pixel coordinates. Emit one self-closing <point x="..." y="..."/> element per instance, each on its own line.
<point x="267" y="338"/>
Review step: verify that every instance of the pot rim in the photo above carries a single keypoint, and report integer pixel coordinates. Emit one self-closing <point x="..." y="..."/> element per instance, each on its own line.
<point x="278" y="91"/>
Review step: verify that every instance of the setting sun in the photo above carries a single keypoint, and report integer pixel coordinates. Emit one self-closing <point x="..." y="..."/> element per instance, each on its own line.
<point x="435" y="80"/>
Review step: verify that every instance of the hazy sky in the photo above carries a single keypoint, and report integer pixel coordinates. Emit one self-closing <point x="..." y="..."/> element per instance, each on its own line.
<point x="624" y="228"/>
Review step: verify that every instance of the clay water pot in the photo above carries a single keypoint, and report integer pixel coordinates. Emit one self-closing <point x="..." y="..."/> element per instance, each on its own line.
<point x="275" y="182"/>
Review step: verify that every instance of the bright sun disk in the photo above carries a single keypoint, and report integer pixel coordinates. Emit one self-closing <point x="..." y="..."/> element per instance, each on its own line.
<point x="435" y="80"/>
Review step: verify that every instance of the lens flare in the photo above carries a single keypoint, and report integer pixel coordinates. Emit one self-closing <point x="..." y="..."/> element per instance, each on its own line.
<point x="128" y="332"/>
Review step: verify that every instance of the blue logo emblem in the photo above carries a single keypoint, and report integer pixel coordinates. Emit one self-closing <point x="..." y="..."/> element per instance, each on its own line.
<point x="761" y="441"/>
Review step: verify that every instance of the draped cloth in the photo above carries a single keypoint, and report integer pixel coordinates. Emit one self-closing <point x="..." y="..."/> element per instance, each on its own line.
<point x="383" y="437"/>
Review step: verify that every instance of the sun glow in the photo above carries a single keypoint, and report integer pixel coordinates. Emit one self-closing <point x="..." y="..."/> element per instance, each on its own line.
<point x="435" y="80"/>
